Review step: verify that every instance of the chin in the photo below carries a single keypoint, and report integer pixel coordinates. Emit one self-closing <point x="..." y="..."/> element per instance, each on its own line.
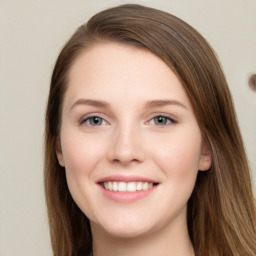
<point x="125" y="228"/>
<point x="126" y="233"/>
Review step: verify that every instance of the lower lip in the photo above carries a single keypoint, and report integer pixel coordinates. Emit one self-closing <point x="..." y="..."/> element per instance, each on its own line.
<point x="126" y="197"/>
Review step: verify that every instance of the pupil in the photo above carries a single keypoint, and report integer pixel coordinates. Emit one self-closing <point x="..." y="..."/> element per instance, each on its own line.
<point x="160" y="120"/>
<point x="96" y="121"/>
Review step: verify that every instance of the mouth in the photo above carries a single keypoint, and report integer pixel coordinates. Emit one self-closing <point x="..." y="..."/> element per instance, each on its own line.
<point x="126" y="189"/>
<point x="130" y="187"/>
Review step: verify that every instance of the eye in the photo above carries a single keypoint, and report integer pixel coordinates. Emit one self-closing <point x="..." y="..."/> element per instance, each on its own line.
<point x="162" y="120"/>
<point x="94" y="121"/>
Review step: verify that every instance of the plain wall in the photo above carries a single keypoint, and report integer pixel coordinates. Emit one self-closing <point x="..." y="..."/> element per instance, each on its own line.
<point x="31" y="36"/>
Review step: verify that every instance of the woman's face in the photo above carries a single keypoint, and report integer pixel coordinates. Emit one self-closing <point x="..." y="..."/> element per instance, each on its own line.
<point x="130" y="143"/>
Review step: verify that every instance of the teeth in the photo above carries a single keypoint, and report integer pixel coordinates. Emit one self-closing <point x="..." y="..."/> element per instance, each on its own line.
<point x="145" y="186"/>
<point x="139" y="186"/>
<point x="115" y="186"/>
<point x="131" y="187"/>
<point x="127" y="186"/>
<point x="122" y="187"/>
<point x="110" y="185"/>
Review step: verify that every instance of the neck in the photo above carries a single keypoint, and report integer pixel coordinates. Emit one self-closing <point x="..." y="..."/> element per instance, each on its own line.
<point x="168" y="241"/>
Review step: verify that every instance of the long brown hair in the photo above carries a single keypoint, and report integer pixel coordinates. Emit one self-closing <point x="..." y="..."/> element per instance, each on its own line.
<point x="221" y="210"/>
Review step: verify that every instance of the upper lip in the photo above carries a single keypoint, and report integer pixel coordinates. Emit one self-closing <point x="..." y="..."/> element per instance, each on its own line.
<point x="126" y="178"/>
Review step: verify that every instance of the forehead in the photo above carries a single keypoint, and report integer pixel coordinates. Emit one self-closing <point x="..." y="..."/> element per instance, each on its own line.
<point x="112" y="69"/>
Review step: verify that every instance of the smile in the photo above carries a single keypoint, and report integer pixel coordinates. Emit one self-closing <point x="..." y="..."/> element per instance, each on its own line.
<point x="127" y="186"/>
<point x="126" y="189"/>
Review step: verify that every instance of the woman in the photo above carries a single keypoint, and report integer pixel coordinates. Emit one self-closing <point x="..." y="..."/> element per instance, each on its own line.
<point x="143" y="154"/>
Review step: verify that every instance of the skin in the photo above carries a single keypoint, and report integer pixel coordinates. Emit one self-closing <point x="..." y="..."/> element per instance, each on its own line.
<point x="130" y="140"/>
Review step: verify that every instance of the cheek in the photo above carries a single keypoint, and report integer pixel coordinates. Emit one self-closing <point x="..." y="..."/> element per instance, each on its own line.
<point x="81" y="154"/>
<point x="179" y="155"/>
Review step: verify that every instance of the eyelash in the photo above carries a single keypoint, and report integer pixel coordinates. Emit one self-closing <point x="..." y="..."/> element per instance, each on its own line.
<point x="87" y="120"/>
<point x="169" y="120"/>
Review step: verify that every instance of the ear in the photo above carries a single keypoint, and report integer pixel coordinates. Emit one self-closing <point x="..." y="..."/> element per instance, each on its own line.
<point x="205" y="159"/>
<point x="59" y="153"/>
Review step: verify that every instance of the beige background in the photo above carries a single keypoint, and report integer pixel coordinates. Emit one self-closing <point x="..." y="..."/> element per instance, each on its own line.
<point x="31" y="35"/>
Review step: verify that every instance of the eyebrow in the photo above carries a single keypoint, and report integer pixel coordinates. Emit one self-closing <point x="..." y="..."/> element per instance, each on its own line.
<point x="89" y="102"/>
<point x="162" y="103"/>
<point x="148" y="104"/>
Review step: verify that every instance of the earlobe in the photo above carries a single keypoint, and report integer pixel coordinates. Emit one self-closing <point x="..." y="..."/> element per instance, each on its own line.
<point x="59" y="153"/>
<point x="205" y="159"/>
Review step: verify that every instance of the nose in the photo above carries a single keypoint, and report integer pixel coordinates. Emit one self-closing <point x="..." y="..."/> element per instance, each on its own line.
<point x="126" y="147"/>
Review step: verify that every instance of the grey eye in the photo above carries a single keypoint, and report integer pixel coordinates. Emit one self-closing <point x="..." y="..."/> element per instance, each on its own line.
<point x="161" y="120"/>
<point x="95" y="121"/>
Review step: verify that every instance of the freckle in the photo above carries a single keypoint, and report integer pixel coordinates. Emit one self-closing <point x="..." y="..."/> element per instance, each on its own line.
<point x="252" y="82"/>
